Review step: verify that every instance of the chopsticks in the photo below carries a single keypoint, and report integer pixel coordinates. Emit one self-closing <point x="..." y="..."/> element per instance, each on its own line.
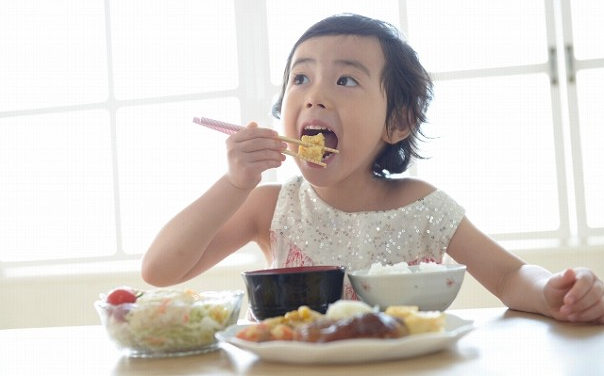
<point x="228" y="128"/>
<point x="305" y="144"/>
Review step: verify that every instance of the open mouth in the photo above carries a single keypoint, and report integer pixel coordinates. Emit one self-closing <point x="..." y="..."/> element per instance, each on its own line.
<point x="331" y="139"/>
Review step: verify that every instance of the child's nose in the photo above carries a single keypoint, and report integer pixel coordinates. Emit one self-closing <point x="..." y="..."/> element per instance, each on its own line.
<point x="317" y="96"/>
<point x="310" y="104"/>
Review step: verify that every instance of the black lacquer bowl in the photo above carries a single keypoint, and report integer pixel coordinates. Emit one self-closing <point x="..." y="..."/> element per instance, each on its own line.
<point x="274" y="292"/>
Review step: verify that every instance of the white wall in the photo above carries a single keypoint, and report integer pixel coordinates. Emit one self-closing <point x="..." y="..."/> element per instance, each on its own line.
<point x="67" y="299"/>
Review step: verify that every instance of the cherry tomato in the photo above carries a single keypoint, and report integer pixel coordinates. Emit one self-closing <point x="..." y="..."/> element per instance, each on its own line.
<point x="121" y="296"/>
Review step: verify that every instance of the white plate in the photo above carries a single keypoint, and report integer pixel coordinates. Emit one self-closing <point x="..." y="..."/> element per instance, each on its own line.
<point x="353" y="350"/>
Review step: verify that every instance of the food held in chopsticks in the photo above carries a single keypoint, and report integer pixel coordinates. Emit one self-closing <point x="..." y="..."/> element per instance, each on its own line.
<point x="345" y="320"/>
<point x="311" y="148"/>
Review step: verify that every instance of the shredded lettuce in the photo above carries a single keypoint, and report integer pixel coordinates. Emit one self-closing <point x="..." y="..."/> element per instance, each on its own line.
<point x="165" y="321"/>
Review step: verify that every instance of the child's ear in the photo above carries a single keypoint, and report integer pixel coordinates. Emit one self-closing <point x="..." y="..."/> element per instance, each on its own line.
<point x="396" y="135"/>
<point x="397" y="130"/>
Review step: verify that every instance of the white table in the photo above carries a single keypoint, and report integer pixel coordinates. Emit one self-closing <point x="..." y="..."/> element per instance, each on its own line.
<point x="505" y="342"/>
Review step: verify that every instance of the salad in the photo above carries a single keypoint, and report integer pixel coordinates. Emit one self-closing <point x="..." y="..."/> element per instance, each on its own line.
<point x="167" y="322"/>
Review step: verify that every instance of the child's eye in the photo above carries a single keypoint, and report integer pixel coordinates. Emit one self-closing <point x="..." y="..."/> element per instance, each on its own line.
<point x="347" y="81"/>
<point x="300" y="79"/>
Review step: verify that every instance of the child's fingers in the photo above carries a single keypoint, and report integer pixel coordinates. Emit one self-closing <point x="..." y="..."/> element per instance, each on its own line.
<point x="584" y="283"/>
<point x="585" y="300"/>
<point x="564" y="280"/>
<point x="557" y="288"/>
<point x="251" y="151"/>
<point x="252" y="139"/>
<point x="593" y="313"/>
<point x="252" y="130"/>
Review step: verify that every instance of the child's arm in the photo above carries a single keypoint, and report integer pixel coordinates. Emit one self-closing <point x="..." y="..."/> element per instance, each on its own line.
<point x="230" y="214"/>
<point x="573" y="295"/>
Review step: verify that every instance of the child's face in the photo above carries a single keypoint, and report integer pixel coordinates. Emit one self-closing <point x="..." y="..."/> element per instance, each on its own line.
<point x="335" y="83"/>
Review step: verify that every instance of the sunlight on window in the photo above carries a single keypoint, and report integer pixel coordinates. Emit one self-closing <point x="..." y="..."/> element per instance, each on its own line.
<point x="299" y="18"/>
<point x="588" y="29"/>
<point x="494" y="152"/>
<point x="51" y="57"/>
<point x="57" y="186"/>
<point x="477" y="33"/>
<point x="165" y="162"/>
<point x="84" y="175"/>
<point x="590" y="84"/>
<point x="173" y="47"/>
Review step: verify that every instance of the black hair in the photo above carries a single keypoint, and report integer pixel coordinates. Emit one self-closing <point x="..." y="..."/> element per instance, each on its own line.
<point x="407" y="85"/>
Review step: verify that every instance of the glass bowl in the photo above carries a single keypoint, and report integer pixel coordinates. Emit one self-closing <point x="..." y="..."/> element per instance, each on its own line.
<point x="169" y="323"/>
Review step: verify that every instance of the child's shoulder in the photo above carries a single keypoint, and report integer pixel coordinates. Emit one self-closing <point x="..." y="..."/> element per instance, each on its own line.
<point x="409" y="190"/>
<point x="416" y="185"/>
<point x="414" y="190"/>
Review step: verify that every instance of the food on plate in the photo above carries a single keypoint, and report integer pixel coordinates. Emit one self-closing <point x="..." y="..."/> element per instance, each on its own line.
<point x="418" y="321"/>
<point x="343" y="309"/>
<point x="280" y="327"/>
<point x="263" y="332"/>
<point x="344" y="320"/>
<point x="148" y="323"/>
<point x="366" y="325"/>
<point x="302" y="315"/>
<point x="314" y="152"/>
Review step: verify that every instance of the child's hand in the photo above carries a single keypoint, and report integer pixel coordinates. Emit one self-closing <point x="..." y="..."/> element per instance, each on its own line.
<point x="250" y="152"/>
<point x="576" y="295"/>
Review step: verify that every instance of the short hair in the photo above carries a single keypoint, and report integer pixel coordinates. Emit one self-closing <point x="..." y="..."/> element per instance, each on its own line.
<point x="407" y="85"/>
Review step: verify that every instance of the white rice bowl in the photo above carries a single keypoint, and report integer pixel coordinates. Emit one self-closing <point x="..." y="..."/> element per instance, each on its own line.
<point x="429" y="286"/>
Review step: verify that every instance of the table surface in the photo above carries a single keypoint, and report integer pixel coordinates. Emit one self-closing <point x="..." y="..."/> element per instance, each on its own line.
<point x="504" y="342"/>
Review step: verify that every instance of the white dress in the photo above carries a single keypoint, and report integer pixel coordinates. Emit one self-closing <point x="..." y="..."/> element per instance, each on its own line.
<point x="307" y="231"/>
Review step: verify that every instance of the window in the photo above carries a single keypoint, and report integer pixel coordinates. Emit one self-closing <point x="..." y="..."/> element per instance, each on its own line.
<point x="493" y="113"/>
<point x="585" y="76"/>
<point x="97" y="147"/>
<point x="98" y="151"/>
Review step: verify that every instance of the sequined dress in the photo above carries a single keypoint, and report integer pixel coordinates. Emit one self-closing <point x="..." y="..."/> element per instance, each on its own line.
<point x="307" y="231"/>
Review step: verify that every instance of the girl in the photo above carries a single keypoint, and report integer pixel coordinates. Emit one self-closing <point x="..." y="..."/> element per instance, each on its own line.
<point x="356" y="81"/>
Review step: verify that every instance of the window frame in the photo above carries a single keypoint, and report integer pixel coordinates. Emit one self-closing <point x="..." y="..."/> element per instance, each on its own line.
<point x="255" y="92"/>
